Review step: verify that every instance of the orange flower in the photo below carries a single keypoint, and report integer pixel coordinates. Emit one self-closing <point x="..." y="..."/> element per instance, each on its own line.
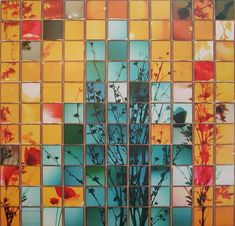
<point x="222" y="191"/>
<point x="47" y="48"/>
<point x="198" y="11"/>
<point x="202" y="113"/>
<point x="12" y="7"/>
<point x="6" y="74"/>
<point x="204" y="153"/>
<point x="205" y="127"/>
<point x="27" y="10"/>
<point x="4" y="111"/>
<point x="7" y="135"/>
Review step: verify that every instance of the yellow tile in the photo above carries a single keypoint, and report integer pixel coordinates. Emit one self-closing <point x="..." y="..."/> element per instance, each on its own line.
<point x="74" y="30"/>
<point x="139" y="30"/>
<point x="51" y="134"/>
<point x="74" y="50"/>
<point x="138" y="10"/>
<point x="95" y="29"/>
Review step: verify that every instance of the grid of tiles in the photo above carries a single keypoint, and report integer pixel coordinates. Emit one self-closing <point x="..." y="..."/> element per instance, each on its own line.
<point x="117" y="113"/>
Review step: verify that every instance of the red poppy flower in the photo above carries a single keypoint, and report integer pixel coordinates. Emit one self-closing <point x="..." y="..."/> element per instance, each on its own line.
<point x="9" y="173"/>
<point x="32" y="156"/>
<point x="203" y="70"/>
<point x="31" y="30"/>
<point x="68" y="192"/>
<point x="54" y="201"/>
<point x="203" y="175"/>
<point x="52" y="113"/>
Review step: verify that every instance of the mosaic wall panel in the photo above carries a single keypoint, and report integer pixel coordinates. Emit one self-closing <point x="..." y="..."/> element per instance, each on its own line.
<point x="117" y="113"/>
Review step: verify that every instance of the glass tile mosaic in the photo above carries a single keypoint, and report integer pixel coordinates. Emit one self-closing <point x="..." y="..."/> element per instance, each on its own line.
<point x="117" y="113"/>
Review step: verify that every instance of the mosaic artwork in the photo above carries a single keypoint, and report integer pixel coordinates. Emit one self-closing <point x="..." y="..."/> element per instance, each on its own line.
<point x="117" y="113"/>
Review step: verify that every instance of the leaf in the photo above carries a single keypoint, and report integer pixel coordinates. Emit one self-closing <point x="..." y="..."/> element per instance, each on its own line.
<point x="183" y="13"/>
<point x="222" y="15"/>
<point x="93" y="131"/>
<point x="91" y="190"/>
<point x="156" y="159"/>
<point x="115" y="198"/>
<point x="98" y="92"/>
<point x="135" y="63"/>
<point x="76" y="115"/>
<point x="180" y="115"/>
<point x="26" y="45"/>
